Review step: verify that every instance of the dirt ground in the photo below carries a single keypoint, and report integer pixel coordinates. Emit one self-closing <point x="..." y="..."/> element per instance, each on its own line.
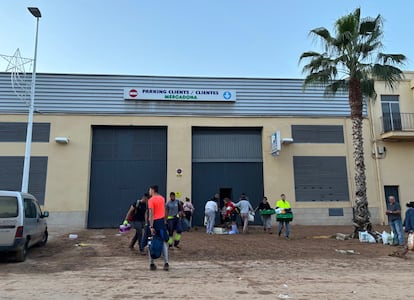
<point x="311" y="265"/>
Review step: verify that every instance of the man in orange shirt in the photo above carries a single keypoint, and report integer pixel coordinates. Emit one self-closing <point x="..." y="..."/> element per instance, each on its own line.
<point x="157" y="220"/>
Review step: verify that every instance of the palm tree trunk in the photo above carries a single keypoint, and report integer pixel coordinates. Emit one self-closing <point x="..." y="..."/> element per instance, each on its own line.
<point x="361" y="215"/>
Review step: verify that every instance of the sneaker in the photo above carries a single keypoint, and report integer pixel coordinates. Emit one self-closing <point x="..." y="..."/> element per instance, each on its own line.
<point x="166" y="267"/>
<point x="279" y="233"/>
<point x="142" y="252"/>
<point x="177" y="246"/>
<point x="153" y="267"/>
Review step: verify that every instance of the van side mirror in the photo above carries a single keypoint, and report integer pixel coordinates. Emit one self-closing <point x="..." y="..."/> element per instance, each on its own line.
<point x="45" y="214"/>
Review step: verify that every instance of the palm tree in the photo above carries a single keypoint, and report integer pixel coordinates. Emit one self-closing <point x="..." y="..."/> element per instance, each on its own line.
<point x="351" y="62"/>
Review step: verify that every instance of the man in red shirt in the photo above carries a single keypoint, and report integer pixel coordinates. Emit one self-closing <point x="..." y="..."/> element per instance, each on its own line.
<point x="157" y="220"/>
<point x="230" y="215"/>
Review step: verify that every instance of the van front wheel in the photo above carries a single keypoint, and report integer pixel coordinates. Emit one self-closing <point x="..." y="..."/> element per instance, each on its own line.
<point x="44" y="238"/>
<point x="22" y="253"/>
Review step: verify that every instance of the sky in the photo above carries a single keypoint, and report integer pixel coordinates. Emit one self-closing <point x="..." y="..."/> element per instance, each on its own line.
<point x="208" y="38"/>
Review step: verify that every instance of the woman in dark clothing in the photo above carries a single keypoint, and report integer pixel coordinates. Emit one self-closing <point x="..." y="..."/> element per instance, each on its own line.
<point x="266" y="218"/>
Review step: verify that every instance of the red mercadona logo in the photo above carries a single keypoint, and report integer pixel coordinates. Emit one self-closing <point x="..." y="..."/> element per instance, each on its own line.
<point x="133" y="93"/>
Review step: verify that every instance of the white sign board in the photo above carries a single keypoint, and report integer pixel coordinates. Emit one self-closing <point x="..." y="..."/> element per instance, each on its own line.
<point x="275" y="143"/>
<point x="177" y="94"/>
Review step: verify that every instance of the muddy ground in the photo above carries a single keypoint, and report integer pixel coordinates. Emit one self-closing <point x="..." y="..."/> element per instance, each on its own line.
<point x="311" y="265"/>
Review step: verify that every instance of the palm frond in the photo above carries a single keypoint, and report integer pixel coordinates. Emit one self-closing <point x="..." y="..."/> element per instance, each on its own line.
<point x="391" y="58"/>
<point x="369" y="25"/>
<point x="319" y="79"/>
<point x="390" y="74"/>
<point x="322" y="33"/>
<point x="309" y="54"/>
<point x="366" y="48"/>
<point x="317" y="63"/>
<point x="354" y="50"/>
<point x="368" y="89"/>
<point x="335" y="86"/>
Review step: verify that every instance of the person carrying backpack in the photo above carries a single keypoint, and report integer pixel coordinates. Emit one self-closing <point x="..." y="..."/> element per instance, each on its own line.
<point x="158" y="230"/>
<point x="137" y="215"/>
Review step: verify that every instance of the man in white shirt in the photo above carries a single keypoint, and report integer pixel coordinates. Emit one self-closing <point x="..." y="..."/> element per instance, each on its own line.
<point x="245" y="208"/>
<point x="210" y="213"/>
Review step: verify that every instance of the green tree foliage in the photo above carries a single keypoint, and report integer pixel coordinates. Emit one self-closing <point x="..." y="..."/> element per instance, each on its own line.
<point x="352" y="61"/>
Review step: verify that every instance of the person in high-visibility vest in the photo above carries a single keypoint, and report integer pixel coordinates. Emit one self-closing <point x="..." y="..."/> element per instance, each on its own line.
<point x="284" y="205"/>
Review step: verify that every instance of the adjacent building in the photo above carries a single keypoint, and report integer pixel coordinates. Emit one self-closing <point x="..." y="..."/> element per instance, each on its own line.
<point x="392" y="140"/>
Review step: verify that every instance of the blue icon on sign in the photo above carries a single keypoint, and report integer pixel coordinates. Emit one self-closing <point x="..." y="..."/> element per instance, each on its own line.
<point x="227" y="95"/>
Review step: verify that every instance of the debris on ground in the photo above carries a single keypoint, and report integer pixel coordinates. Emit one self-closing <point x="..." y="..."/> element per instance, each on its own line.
<point x="400" y="253"/>
<point x="322" y="237"/>
<point x="342" y="236"/>
<point x="347" y="251"/>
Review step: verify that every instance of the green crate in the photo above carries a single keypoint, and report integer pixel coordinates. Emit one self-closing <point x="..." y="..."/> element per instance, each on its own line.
<point x="267" y="212"/>
<point x="287" y="217"/>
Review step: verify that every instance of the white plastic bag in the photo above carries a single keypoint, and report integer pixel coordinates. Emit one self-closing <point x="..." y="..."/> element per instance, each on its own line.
<point x="410" y="242"/>
<point x="371" y="239"/>
<point x="251" y="217"/>
<point x="385" y="238"/>
<point x="363" y="236"/>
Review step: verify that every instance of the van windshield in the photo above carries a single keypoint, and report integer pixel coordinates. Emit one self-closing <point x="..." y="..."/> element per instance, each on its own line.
<point x="8" y="207"/>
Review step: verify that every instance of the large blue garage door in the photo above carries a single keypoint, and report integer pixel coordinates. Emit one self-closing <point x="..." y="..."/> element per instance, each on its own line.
<point x="227" y="161"/>
<point x="125" y="162"/>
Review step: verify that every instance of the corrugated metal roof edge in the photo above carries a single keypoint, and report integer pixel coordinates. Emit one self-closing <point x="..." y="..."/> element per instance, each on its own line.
<point x="162" y="76"/>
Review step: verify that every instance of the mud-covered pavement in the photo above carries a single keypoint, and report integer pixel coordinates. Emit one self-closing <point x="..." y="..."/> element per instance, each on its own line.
<point x="311" y="265"/>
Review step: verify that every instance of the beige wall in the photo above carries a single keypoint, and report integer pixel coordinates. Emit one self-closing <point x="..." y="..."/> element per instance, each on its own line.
<point x="67" y="187"/>
<point x="396" y="166"/>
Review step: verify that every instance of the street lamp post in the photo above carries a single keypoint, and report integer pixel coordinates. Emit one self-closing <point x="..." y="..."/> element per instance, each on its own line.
<point x="26" y="168"/>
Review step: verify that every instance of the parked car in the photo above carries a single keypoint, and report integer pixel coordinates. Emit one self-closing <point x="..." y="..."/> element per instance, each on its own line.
<point x="22" y="223"/>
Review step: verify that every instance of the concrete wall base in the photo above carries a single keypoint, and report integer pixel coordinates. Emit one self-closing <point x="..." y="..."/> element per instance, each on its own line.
<point x="72" y="219"/>
<point x="320" y="216"/>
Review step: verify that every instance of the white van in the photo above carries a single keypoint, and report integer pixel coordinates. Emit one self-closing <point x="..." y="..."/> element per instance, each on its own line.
<point x="22" y="223"/>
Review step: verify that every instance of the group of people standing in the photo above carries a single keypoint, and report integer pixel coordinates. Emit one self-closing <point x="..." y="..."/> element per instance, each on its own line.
<point x="396" y="222"/>
<point x="152" y="215"/>
<point x="230" y="211"/>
